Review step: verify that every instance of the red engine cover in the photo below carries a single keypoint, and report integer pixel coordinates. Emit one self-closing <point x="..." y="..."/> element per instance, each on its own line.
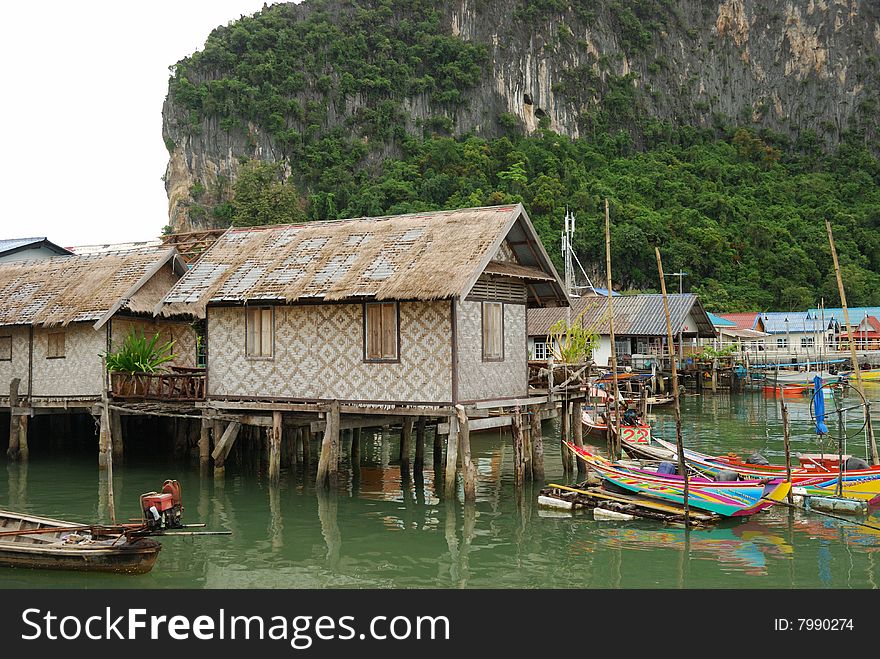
<point x="161" y="501"/>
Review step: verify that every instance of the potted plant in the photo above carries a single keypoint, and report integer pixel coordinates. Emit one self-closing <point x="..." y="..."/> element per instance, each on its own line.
<point x="138" y="356"/>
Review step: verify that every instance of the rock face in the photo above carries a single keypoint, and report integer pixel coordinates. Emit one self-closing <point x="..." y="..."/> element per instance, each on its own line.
<point x="790" y="66"/>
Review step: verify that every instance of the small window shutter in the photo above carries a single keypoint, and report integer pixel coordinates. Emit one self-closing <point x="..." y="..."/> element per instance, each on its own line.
<point x="251" y="321"/>
<point x="61" y="336"/>
<point x="266" y="332"/>
<point x="389" y="331"/>
<point x="374" y="331"/>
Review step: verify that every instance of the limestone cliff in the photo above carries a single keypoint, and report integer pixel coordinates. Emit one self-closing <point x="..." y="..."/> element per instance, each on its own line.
<point x="790" y="66"/>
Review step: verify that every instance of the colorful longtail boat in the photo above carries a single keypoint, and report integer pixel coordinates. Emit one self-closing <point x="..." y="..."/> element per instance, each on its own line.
<point x="726" y="498"/>
<point x="818" y="480"/>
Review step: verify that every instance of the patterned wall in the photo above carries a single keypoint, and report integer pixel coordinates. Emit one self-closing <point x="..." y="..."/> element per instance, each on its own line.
<point x="181" y="333"/>
<point x="18" y="366"/>
<point x="319" y="355"/>
<point x="479" y="380"/>
<point x="78" y="374"/>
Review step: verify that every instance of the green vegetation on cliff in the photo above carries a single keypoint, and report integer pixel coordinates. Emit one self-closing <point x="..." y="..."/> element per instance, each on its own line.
<point x="741" y="210"/>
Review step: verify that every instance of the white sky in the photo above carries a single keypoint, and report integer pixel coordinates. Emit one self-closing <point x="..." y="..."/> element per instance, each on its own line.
<point x="80" y="112"/>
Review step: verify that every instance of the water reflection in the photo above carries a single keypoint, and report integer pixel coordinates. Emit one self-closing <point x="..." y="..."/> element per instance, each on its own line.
<point x="386" y="527"/>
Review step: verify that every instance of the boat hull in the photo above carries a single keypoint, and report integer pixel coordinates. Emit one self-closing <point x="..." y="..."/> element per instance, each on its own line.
<point x="728" y="499"/>
<point x="42" y="543"/>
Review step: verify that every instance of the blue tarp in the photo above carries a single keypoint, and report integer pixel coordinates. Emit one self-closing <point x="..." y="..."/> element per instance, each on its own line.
<point x="819" y="406"/>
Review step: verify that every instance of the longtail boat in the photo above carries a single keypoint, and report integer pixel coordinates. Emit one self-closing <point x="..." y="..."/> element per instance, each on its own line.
<point x="817" y="475"/>
<point x="639" y="433"/>
<point x="725" y="498"/>
<point x="29" y="541"/>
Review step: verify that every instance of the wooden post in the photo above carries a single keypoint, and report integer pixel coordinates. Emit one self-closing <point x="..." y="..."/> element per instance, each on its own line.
<point x="679" y="444"/>
<point x="205" y="442"/>
<point x="875" y="458"/>
<point x="615" y="392"/>
<point x="405" y="442"/>
<point x="306" y="447"/>
<point x="714" y="376"/>
<point x="355" y="448"/>
<point x="104" y="439"/>
<point x="786" y="437"/>
<point x="275" y="437"/>
<point x="565" y="436"/>
<point x="116" y="436"/>
<point x="13" y="452"/>
<point x="420" y="444"/>
<point x="23" y="422"/>
<point x="518" y="448"/>
<point x="223" y="445"/>
<point x="578" y="434"/>
<point x="451" y="456"/>
<point x="438" y="450"/>
<point x="328" y="461"/>
<point x="537" y="442"/>
<point x="468" y="471"/>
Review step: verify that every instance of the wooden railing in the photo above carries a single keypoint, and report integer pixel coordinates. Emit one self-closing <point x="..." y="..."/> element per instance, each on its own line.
<point x="181" y="384"/>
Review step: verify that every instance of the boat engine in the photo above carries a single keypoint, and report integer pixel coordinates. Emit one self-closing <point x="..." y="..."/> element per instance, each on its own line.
<point x="163" y="510"/>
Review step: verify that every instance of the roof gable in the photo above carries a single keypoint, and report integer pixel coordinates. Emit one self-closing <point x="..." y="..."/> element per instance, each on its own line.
<point x="420" y="256"/>
<point x="68" y="289"/>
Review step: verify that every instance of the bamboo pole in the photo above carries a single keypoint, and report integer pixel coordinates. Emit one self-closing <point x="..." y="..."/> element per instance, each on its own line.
<point x="537" y="442"/>
<point x="615" y="437"/>
<point x="875" y="458"/>
<point x="679" y="444"/>
<point x="786" y="438"/>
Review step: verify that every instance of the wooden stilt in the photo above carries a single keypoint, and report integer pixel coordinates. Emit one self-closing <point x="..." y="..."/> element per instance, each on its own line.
<point x="518" y="447"/>
<point x="578" y="433"/>
<point x="13" y="451"/>
<point x="406" y="442"/>
<point x="275" y="448"/>
<point x="105" y="445"/>
<point x="23" y="423"/>
<point x="328" y="461"/>
<point x="224" y="446"/>
<point x="306" y="447"/>
<point x="438" y="450"/>
<point x="116" y="436"/>
<point x="355" y="448"/>
<point x="468" y="470"/>
<point x="420" y="444"/>
<point x="537" y="443"/>
<point x="205" y="444"/>
<point x="451" y="457"/>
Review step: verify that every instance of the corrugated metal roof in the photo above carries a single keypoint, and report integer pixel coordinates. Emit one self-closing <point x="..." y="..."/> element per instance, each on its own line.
<point x="718" y="321"/>
<point x="634" y="315"/>
<point x="856" y="314"/>
<point x="745" y="320"/>
<point x="780" y="322"/>
<point x="12" y="244"/>
<point x="66" y="289"/>
<point x="422" y="256"/>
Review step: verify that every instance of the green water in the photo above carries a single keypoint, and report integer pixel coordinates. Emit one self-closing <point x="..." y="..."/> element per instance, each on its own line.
<point x="380" y="530"/>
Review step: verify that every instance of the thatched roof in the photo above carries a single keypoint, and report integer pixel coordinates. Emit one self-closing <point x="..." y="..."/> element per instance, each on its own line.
<point x="634" y="315"/>
<point x="91" y="287"/>
<point x="420" y="256"/>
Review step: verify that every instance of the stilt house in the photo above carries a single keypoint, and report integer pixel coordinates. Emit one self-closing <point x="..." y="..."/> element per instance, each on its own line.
<point x="426" y="308"/>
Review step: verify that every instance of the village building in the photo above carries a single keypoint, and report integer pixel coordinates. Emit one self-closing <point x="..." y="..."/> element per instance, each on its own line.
<point x="29" y="249"/>
<point x="639" y="327"/>
<point x="728" y="333"/>
<point x="420" y="309"/>
<point x="795" y="332"/>
<point x="60" y="315"/>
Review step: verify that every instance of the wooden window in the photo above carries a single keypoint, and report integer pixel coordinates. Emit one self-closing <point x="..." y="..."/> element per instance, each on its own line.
<point x="381" y="332"/>
<point x="55" y="349"/>
<point x="493" y="331"/>
<point x="260" y="332"/>
<point x="5" y="348"/>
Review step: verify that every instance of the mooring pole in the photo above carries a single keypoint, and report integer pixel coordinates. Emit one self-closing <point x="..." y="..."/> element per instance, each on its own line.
<point x="786" y="437"/>
<point x="615" y="439"/>
<point x="679" y="444"/>
<point x="875" y="459"/>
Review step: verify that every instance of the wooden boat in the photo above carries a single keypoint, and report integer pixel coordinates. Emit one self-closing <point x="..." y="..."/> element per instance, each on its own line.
<point x="725" y="498"/>
<point x="652" y="401"/>
<point x="638" y="434"/>
<point x="817" y="475"/>
<point x="54" y="544"/>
